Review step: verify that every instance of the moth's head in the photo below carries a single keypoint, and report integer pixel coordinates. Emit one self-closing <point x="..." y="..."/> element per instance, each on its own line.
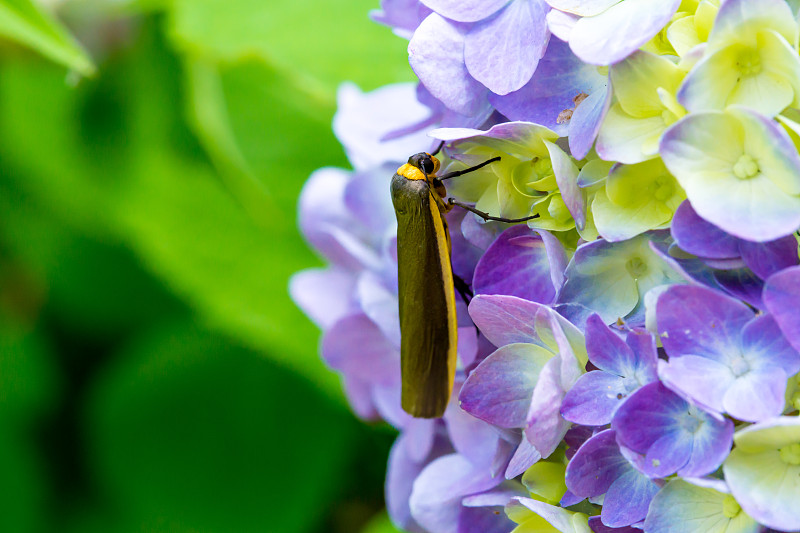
<point x="425" y="162"/>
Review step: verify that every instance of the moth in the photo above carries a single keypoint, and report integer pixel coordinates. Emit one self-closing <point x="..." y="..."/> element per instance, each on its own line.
<point x="427" y="301"/>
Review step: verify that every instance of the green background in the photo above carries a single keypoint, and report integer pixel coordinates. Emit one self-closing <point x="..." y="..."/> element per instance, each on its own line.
<point x="154" y="374"/>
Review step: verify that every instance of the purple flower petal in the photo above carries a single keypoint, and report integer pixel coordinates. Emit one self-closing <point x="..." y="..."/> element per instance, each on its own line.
<point x="516" y="264"/>
<point x="474" y="439"/>
<point x="503" y="51"/>
<point x="587" y="119"/>
<point x="612" y="35"/>
<point x="764" y="345"/>
<point x="594" y="398"/>
<point x="465" y="10"/>
<point x="696" y="236"/>
<point x="560" y="76"/>
<point x="673" y="435"/>
<point x="742" y="284"/>
<point x="627" y="500"/>
<point x="436" y="53"/>
<point x="700" y="321"/>
<point x="765" y="259"/>
<point x="600" y="468"/>
<point x="403" y="16"/>
<point x="506" y="319"/>
<point x="376" y="359"/>
<point x="607" y="351"/>
<point x="596" y="525"/>
<point x="781" y="294"/>
<point x="524" y="457"/>
<point x="484" y="520"/>
<point x="757" y="395"/>
<point x="401" y="472"/>
<point x="546" y="427"/>
<point x="704" y="380"/>
<point x="323" y="294"/>
<point x="435" y="500"/>
<point x="500" y="389"/>
<point x="363" y="119"/>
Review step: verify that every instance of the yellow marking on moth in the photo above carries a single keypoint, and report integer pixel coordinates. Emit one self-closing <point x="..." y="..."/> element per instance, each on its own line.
<point x="443" y="245"/>
<point x="410" y="172"/>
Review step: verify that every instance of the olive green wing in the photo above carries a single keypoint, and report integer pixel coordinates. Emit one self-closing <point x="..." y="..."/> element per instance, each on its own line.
<point x="428" y="324"/>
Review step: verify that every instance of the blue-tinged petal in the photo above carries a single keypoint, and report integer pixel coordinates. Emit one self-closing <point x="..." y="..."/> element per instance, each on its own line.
<point x="767" y="258"/>
<point x="612" y="35"/>
<point x="781" y="294"/>
<point x="323" y="294"/>
<point x="473" y="438"/>
<point x="711" y="445"/>
<point x="401" y="472"/>
<point x="607" y="351"/>
<point x="587" y="119"/>
<point x="376" y="359"/>
<point x="594" y="398"/>
<point x="611" y="278"/>
<point x="546" y="427"/>
<point x="740" y="283"/>
<point x="465" y="10"/>
<point x="362" y="119"/>
<point x="560" y="76"/>
<point x="379" y="304"/>
<point x="490" y="519"/>
<point x="682" y="506"/>
<point x="643" y="346"/>
<point x="757" y="395"/>
<point x="596" y="465"/>
<point x="500" y="389"/>
<point x="703" y="380"/>
<point x="502" y="52"/>
<point x="700" y="321"/>
<point x="525" y="455"/>
<point x="435" y="499"/>
<point x="613" y="297"/>
<point x="764" y="345"/>
<point x="696" y="236"/>
<point x="436" y="53"/>
<point x="628" y="499"/>
<point x="506" y="319"/>
<point x="516" y="264"/>
<point x="763" y="472"/>
<point x="673" y="435"/>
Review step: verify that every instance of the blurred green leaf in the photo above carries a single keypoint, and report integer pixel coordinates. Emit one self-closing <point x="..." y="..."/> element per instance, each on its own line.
<point x="319" y="43"/>
<point x="190" y="433"/>
<point x="29" y="381"/>
<point x="23" y="485"/>
<point x="381" y="524"/>
<point x="121" y="164"/>
<point x="26" y="23"/>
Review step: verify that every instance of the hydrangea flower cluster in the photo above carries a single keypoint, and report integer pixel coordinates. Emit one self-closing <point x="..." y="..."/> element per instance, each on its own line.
<point x="630" y="358"/>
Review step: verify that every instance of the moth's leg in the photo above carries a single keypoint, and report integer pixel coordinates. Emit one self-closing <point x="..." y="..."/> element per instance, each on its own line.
<point x="487" y="216"/>
<point x="462" y="288"/>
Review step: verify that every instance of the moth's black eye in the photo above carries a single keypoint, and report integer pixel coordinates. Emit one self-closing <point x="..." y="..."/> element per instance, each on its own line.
<point x="427" y="166"/>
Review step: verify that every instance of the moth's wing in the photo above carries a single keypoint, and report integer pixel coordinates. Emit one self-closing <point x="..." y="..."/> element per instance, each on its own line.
<point x="428" y="324"/>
